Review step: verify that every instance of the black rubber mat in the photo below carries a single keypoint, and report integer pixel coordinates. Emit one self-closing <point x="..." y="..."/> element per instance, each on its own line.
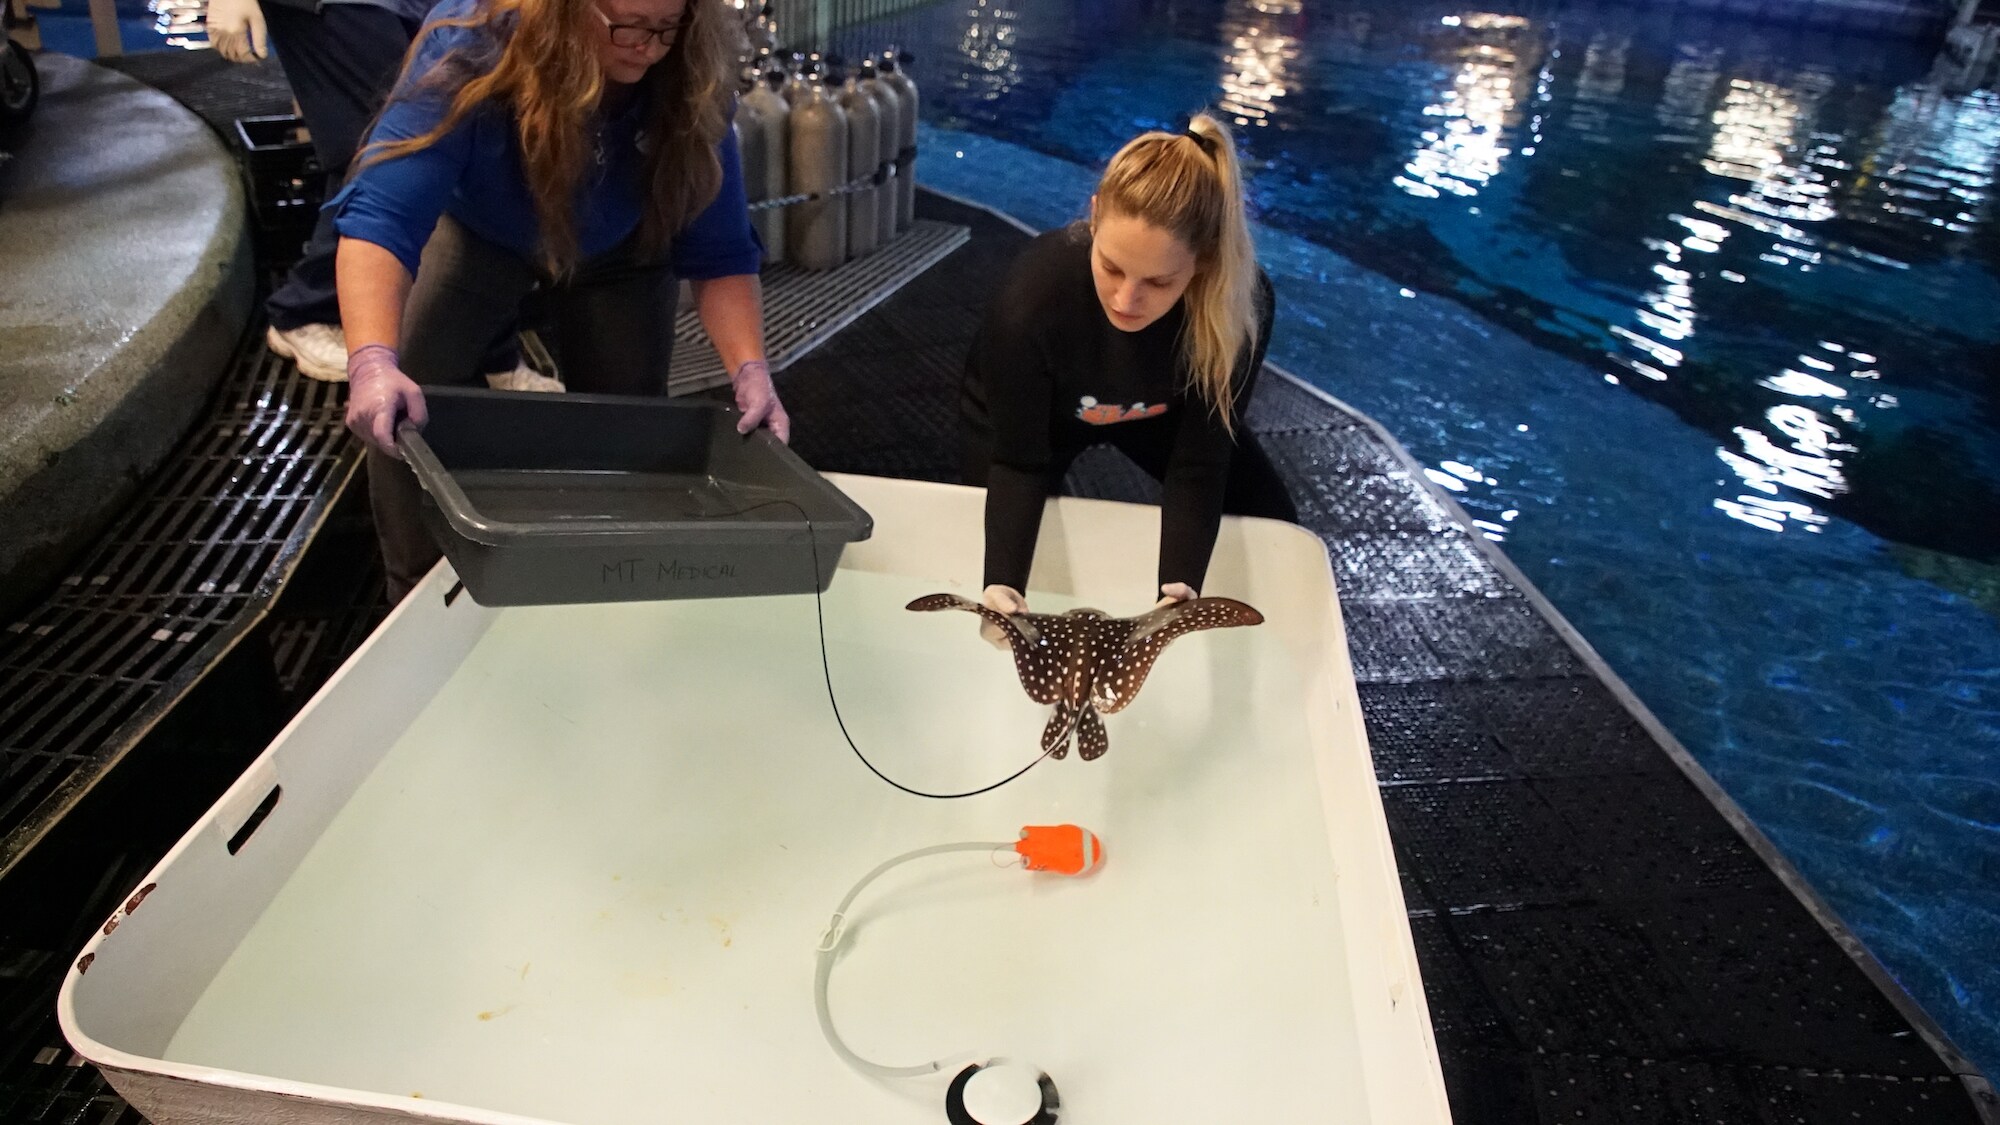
<point x="1562" y="727"/>
<point x="1576" y="979"/>
<point x="1375" y="565"/>
<point x="1282" y="407"/>
<point x="1486" y="844"/>
<point x="1386" y="644"/>
<point x="1462" y="1017"/>
<point x="1651" y="835"/>
<point x="1429" y="732"/>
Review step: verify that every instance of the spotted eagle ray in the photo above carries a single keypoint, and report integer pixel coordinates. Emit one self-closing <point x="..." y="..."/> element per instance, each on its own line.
<point x="1088" y="663"/>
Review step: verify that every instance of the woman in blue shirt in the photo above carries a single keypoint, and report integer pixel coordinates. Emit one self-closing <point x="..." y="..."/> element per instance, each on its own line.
<point x="579" y="146"/>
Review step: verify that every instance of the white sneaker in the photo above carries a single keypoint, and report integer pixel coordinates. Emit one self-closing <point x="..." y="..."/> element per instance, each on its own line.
<point x="319" y="349"/>
<point x="525" y="378"/>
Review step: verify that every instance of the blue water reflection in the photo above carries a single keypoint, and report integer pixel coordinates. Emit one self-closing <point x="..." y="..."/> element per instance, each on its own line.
<point x="1699" y="317"/>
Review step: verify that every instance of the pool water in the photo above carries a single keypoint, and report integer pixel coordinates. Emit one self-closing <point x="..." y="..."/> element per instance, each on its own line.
<point x="1698" y="317"/>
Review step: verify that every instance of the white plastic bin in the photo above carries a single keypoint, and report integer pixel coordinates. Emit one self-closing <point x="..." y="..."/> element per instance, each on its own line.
<point x="570" y="864"/>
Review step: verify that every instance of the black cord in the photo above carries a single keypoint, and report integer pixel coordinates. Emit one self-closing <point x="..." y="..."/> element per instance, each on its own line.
<point x="826" y="669"/>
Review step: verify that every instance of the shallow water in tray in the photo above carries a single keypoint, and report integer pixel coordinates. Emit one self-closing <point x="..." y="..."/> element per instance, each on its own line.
<point x="587" y="882"/>
<point x="603" y="497"/>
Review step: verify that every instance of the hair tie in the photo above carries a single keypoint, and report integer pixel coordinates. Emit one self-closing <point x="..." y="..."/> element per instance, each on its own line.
<point x="1206" y="142"/>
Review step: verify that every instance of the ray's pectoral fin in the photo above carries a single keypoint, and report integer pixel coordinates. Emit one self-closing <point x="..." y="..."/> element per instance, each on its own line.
<point x="1037" y="664"/>
<point x="1152" y="632"/>
<point x="1055" y="736"/>
<point x="1017" y="632"/>
<point x="1091" y="741"/>
<point x="1181" y="618"/>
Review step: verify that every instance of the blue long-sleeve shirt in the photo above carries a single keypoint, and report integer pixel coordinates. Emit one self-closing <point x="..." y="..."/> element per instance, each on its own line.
<point x="474" y="174"/>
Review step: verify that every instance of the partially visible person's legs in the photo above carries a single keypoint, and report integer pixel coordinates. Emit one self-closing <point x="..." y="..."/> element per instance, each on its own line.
<point x="466" y="297"/>
<point x="615" y="325"/>
<point x="341" y="63"/>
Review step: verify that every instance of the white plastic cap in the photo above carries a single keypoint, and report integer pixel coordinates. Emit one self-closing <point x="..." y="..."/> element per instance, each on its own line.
<point x="1004" y="1093"/>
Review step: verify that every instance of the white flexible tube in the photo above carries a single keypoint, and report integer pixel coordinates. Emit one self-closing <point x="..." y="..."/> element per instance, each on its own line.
<point x="829" y="946"/>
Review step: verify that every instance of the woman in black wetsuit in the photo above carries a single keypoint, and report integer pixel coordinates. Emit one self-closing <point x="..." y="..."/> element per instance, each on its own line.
<point x="1143" y="328"/>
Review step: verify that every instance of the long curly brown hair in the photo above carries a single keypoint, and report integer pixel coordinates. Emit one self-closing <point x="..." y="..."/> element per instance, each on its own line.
<point x="538" y="60"/>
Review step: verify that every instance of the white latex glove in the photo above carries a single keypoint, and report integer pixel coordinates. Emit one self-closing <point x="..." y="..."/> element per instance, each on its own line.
<point x="236" y="30"/>
<point x="1175" y="592"/>
<point x="378" y="394"/>
<point x="757" y="398"/>
<point x="1000" y="599"/>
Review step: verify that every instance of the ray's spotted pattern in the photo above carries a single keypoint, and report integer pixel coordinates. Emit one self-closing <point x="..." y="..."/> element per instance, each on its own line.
<point x="1088" y="663"/>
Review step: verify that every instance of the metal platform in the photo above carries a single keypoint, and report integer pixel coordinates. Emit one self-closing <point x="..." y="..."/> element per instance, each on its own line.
<point x="804" y="308"/>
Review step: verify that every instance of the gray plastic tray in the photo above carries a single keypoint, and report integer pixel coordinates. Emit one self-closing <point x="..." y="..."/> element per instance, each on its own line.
<point x="546" y="499"/>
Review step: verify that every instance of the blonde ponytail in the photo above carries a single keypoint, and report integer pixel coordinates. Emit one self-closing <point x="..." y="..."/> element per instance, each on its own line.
<point x="1190" y="185"/>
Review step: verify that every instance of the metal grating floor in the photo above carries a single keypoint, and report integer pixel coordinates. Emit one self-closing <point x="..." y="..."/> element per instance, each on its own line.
<point x="188" y="569"/>
<point x="803" y="308"/>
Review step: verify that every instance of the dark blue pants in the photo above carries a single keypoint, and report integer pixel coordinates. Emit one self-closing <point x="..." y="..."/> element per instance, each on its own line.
<point x="614" y="322"/>
<point x="341" y="62"/>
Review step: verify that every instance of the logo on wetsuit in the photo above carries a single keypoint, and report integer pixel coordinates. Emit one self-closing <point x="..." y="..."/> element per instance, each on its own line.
<point x="1107" y="413"/>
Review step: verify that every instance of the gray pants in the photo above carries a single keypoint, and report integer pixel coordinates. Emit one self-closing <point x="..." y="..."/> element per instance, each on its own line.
<point x="613" y="319"/>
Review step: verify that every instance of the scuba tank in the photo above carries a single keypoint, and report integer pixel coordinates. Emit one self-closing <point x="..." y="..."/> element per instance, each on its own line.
<point x="892" y="129"/>
<point x="804" y="69"/>
<point x="896" y="74"/>
<point x="864" y="155"/>
<point x="763" y="112"/>
<point x="816" y="231"/>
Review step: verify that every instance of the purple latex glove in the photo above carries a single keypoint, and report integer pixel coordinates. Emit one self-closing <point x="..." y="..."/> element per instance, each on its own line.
<point x="378" y="394"/>
<point x="758" y="401"/>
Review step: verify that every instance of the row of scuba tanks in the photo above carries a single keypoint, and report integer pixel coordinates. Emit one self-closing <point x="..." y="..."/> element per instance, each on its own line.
<point x="815" y="126"/>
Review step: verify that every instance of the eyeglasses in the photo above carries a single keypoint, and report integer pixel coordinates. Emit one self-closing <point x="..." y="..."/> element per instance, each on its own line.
<point x="638" y="35"/>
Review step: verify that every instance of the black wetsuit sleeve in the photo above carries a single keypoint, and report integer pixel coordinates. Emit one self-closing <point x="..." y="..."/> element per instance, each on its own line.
<point x="1019" y="389"/>
<point x="1197" y="476"/>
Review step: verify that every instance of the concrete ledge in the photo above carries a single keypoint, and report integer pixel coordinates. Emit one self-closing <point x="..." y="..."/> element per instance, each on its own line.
<point x="125" y="283"/>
